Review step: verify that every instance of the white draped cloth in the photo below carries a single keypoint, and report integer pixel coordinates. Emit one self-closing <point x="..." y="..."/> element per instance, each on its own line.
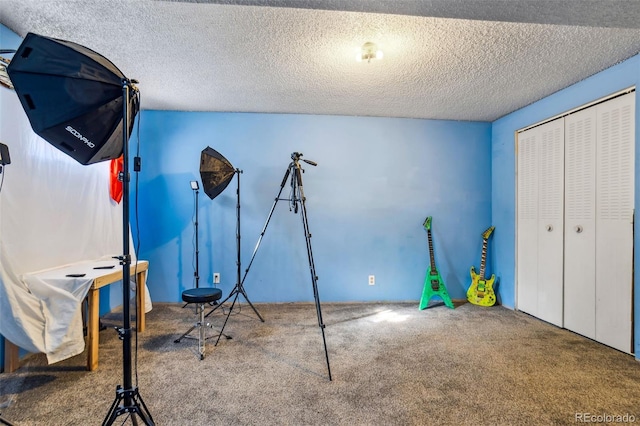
<point x="53" y="212"/>
<point x="60" y="297"/>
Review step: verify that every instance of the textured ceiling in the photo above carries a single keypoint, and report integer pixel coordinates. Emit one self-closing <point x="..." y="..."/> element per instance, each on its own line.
<point x="444" y="59"/>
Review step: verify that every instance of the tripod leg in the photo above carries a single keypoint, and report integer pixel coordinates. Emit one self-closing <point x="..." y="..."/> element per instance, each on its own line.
<point x="113" y="411"/>
<point x="201" y="336"/>
<point x="244" y="293"/>
<point x="235" y="289"/>
<point x="5" y="422"/>
<point x="312" y="267"/>
<point x="143" y="411"/>
<point x="264" y="229"/>
<point x="185" y="334"/>
<point x="227" y="319"/>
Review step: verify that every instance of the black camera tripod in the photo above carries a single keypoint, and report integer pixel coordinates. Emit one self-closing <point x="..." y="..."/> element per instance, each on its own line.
<point x="296" y="200"/>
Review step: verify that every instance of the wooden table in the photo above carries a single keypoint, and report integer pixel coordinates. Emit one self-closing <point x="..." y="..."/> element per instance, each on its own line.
<point x="11" y="351"/>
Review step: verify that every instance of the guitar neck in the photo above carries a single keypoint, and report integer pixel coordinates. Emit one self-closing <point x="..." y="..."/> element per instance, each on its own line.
<point x="483" y="260"/>
<point x="433" y="262"/>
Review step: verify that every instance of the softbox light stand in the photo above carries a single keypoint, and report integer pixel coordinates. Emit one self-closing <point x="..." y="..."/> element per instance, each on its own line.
<point x="128" y="400"/>
<point x="216" y="173"/>
<point x="239" y="288"/>
<point x="82" y="104"/>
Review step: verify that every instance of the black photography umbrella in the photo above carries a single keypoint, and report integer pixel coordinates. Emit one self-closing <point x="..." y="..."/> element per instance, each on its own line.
<point x="215" y="171"/>
<point x="72" y="97"/>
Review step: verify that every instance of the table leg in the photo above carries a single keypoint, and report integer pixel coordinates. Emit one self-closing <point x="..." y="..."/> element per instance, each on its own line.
<point x="11" y="356"/>
<point x="140" y="299"/>
<point x="93" y="334"/>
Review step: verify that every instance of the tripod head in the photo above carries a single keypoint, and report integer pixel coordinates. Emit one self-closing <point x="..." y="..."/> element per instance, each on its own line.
<point x="297" y="194"/>
<point x="298" y="155"/>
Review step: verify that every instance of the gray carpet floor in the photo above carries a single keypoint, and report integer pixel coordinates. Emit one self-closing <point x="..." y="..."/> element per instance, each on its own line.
<point x="392" y="364"/>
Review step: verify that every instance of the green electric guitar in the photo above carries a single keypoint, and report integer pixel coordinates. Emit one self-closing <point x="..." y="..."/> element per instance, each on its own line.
<point x="481" y="290"/>
<point x="433" y="284"/>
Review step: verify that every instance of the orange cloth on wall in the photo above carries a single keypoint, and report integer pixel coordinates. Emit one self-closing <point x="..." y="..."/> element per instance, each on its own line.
<point x="115" y="185"/>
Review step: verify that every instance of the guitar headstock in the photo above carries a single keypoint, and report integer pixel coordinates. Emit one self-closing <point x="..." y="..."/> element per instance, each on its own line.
<point x="487" y="233"/>
<point x="427" y="223"/>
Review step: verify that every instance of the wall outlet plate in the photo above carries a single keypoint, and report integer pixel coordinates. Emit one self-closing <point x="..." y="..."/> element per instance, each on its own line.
<point x="216" y="277"/>
<point x="372" y="280"/>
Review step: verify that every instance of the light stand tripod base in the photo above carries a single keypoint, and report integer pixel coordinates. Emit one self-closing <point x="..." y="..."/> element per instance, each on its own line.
<point x="132" y="405"/>
<point x="238" y="290"/>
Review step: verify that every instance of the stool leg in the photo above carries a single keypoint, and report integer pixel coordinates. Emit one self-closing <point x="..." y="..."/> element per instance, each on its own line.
<point x="201" y="336"/>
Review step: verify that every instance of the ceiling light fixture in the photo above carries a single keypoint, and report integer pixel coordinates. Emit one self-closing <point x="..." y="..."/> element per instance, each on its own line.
<point x="368" y="52"/>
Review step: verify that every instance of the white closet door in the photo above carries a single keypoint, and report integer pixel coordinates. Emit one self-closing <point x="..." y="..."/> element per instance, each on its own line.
<point x="527" y="228"/>
<point x="550" y="222"/>
<point x="614" y="216"/>
<point x="540" y="220"/>
<point x="580" y="224"/>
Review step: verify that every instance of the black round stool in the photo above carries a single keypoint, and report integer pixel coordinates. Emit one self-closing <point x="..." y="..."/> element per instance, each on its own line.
<point x="200" y="296"/>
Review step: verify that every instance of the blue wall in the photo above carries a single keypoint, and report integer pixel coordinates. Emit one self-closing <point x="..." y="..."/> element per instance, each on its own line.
<point x="503" y="204"/>
<point x="376" y="181"/>
<point x="9" y="39"/>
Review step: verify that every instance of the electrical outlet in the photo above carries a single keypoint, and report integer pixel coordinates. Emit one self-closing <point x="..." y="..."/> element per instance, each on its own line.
<point x="372" y="280"/>
<point x="216" y="277"/>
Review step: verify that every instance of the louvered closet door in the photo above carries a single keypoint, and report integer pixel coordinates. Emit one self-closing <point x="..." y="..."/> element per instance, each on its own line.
<point x="527" y="245"/>
<point x="550" y="222"/>
<point x="540" y="221"/>
<point x="614" y="221"/>
<point x="580" y="223"/>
